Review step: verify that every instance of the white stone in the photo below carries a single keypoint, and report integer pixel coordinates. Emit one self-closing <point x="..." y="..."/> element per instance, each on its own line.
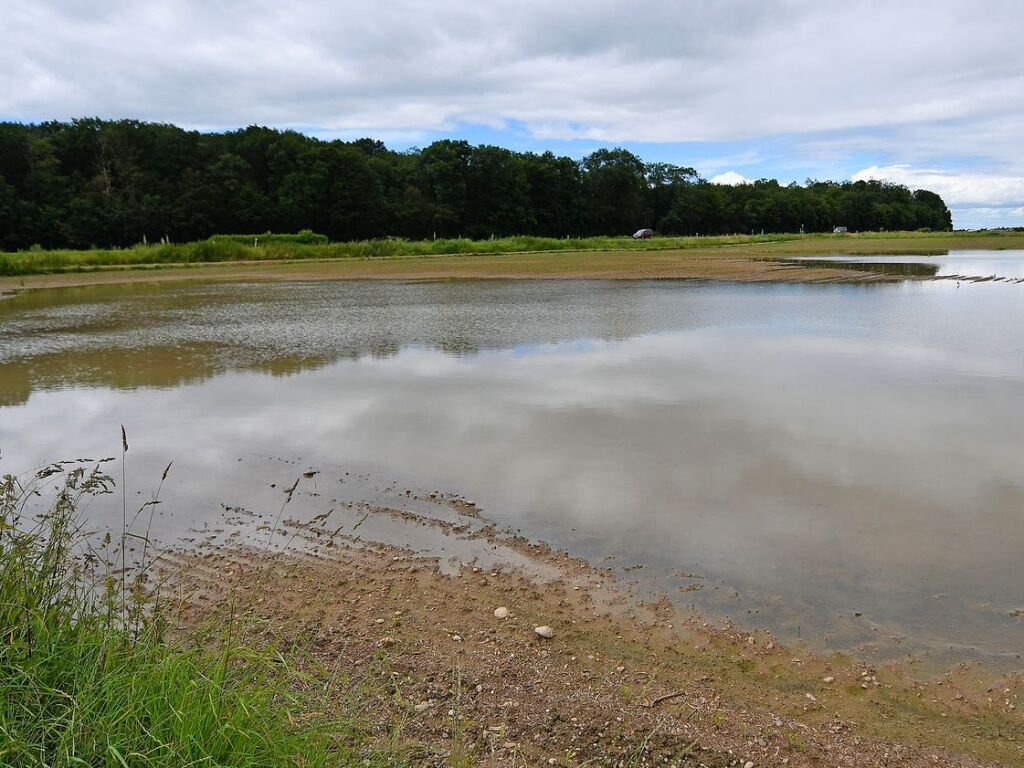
<point x="501" y="612"/>
<point x="544" y="631"/>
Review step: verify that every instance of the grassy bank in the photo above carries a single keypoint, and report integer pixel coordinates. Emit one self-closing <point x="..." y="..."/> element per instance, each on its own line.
<point x="240" y="248"/>
<point x="87" y="677"/>
<point x="741" y="258"/>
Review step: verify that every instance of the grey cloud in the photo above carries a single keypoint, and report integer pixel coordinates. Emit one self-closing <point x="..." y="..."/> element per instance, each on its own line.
<point x="658" y="70"/>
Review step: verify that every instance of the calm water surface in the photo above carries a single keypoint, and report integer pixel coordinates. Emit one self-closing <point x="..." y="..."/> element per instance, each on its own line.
<point x="811" y="453"/>
<point x="1005" y="266"/>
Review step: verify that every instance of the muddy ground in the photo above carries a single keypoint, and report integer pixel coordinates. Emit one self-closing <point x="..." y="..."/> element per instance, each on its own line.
<point x="605" y="265"/>
<point x="626" y="679"/>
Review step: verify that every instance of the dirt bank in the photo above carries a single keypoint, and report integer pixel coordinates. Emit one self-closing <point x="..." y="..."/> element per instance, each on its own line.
<point x="718" y="259"/>
<point x="608" y="265"/>
<point x="621" y="682"/>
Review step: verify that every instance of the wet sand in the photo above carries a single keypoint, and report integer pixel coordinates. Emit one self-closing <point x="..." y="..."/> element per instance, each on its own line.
<point x="624" y="680"/>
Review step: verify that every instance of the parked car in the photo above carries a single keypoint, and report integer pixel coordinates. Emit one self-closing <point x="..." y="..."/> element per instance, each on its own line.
<point x="643" y="234"/>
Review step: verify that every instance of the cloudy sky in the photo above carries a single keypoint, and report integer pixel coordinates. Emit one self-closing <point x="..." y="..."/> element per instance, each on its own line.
<point x="925" y="92"/>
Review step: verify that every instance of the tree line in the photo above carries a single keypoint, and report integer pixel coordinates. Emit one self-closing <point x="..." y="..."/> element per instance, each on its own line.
<point x="91" y="182"/>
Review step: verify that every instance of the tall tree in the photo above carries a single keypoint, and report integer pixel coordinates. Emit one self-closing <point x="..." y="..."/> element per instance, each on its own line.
<point x="614" y="186"/>
<point x="92" y="182"/>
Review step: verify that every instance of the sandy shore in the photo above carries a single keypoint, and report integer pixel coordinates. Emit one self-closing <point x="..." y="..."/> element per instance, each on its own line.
<point x="623" y="681"/>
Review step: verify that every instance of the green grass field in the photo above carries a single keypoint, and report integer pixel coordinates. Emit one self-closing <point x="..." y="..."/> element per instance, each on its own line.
<point x="243" y="248"/>
<point x="705" y="257"/>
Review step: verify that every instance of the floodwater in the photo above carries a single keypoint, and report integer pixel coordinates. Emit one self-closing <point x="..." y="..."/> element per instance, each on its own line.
<point x="1003" y="266"/>
<point x="838" y="463"/>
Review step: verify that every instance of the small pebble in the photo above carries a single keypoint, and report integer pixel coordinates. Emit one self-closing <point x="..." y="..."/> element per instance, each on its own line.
<point x="544" y="631"/>
<point x="829" y="679"/>
<point x="501" y="612"/>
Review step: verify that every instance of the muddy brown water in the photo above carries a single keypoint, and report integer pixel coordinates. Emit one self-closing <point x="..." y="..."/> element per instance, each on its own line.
<point x="840" y="464"/>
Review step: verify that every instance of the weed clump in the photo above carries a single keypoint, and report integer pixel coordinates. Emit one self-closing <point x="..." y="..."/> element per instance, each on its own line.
<point x="88" y="676"/>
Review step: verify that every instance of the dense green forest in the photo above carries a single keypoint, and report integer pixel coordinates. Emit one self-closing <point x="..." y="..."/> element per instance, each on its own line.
<point x="114" y="183"/>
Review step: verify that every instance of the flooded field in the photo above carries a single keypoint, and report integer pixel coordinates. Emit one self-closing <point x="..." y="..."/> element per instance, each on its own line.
<point x="973" y="265"/>
<point x="838" y="463"/>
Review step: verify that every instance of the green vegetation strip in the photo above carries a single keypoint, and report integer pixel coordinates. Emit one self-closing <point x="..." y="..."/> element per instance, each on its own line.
<point x="307" y="246"/>
<point x="240" y="248"/>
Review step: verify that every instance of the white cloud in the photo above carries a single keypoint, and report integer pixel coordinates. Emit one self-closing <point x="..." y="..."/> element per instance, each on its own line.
<point x="957" y="189"/>
<point x="731" y="178"/>
<point x="659" y="70"/>
<point x="975" y="199"/>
